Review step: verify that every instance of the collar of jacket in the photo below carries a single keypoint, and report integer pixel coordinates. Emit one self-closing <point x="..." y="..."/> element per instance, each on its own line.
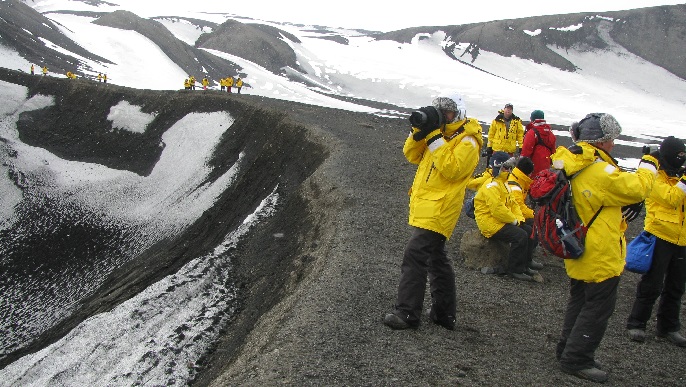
<point x="523" y="180"/>
<point x="501" y="117"/>
<point x="453" y="129"/>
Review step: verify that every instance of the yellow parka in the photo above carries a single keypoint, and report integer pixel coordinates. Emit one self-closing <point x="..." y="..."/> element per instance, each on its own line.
<point x="239" y="82"/>
<point x="205" y="82"/>
<point x="494" y="206"/>
<point x="601" y="187"/>
<point x="519" y="184"/>
<point x="479" y="180"/>
<point x="186" y="83"/>
<point x="500" y="138"/>
<point x="665" y="209"/>
<point x="229" y="81"/>
<point x="444" y="169"/>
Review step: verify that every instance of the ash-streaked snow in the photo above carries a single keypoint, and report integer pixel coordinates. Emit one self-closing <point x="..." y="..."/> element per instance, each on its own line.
<point x="154" y="338"/>
<point x="140" y="210"/>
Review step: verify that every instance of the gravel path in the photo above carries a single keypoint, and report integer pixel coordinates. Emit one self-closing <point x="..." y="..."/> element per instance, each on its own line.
<point x="328" y="329"/>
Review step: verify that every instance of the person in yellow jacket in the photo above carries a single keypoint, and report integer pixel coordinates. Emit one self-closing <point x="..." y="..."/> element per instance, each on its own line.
<point x="205" y="83"/>
<point x="666" y="278"/>
<point x="600" y="190"/>
<point x="186" y="84"/>
<point x="71" y="75"/>
<point x="191" y="80"/>
<point x="32" y="69"/>
<point x="99" y="77"/>
<point x="446" y="150"/>
<point x="222" y="84"/>
<point x="45" y="70"/>
<point x="519" y="182"/>
<point x="499" y="217"/>
<point x="229" y="83"/>
<point x="506" y="133"/>
<point x="239" y="84"/>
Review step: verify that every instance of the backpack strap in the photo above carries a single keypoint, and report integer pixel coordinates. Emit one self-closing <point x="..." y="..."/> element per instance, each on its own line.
<point x="539" y="141"/>
<point x="594" y="217"/>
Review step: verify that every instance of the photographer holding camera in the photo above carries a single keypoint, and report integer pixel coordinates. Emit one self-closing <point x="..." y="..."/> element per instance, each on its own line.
<point x="445" y="145"/>
<point x="666" y="278"/>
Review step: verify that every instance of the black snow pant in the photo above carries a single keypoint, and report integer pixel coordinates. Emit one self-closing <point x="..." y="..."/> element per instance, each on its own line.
<point x="425" y="254"/>
<point x="521" y="246"/>
<point x="665" y="279"/>
<point x="589" y="308"/>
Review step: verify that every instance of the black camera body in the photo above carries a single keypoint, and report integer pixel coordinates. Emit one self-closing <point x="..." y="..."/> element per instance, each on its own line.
<point x="648" y="149"/>
<point x="427" y="119"/>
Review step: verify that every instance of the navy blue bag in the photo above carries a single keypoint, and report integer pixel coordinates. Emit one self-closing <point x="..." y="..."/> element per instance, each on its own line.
<point x="639" y="253"/>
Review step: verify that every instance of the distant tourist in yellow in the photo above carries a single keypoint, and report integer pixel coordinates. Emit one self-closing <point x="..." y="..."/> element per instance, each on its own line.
<point x="239" y="84"/>
<point x="32" y="69"/>
<point x="45" y="71"/>
<point x="229" y="83"/>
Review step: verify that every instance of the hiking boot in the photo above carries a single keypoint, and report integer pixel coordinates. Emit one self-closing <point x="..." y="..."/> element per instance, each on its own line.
<point x="638" y="335"/>
<point x="396" y="322"/>
<point x="521" y="276"/>
<point x="447" y="323"/>
<point x="674" y="337"/>
<point x="530" y="271"/>
<point x="592" y="374"/>
<point x="535" y="265"/>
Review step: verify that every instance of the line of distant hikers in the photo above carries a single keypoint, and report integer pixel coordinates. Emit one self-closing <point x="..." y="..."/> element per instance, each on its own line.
<point x="224" y="83"/>
<point x="188" y="84"/>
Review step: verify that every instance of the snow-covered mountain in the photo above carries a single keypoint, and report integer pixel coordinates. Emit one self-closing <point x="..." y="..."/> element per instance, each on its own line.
<point x="629" y="63"/>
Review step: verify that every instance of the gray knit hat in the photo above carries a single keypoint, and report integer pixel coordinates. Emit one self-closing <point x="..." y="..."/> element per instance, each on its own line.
<point x="594" y="128"/>
<point x="452" y="103"/>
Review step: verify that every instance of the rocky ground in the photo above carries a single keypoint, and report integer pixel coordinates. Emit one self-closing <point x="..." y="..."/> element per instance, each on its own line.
<point x="328" y="328"/>
<point x="312" y="304"/>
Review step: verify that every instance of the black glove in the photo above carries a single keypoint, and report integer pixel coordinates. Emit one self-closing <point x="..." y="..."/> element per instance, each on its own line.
<point x="632" y="211"/>
<point x="489" y="151"/>
<point x="423" y="132"/>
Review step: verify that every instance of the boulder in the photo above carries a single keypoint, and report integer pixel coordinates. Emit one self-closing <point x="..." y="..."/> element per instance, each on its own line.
<point x="480" y="252"/>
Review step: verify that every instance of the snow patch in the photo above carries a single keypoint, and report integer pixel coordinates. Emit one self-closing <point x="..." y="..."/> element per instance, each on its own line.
<point x="573" y="27"/>
<point x="533" y="33"/>
<point x="129" y="117"/>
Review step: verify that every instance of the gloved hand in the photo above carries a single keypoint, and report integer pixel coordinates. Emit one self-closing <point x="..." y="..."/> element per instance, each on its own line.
<point x="489" y="151"/>
<point x="632" y="211"/>
<point x="422" y="133"/>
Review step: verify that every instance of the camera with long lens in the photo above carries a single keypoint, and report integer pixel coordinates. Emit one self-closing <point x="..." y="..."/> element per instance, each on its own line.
<point x="427" y="118"/>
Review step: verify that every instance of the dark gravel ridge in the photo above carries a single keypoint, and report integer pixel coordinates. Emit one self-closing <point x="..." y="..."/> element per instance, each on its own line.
<point x="328" y="329"/>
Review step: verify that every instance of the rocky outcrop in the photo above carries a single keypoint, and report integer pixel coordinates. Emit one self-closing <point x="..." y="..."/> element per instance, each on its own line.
<point x="655" y="34"/>
<point x="25" y="30"/>
<point x="261" y="44"/>
<point x="190" y="59"/>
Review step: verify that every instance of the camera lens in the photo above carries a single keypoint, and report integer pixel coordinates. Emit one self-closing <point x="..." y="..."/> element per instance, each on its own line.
<point x="418" y="118"/>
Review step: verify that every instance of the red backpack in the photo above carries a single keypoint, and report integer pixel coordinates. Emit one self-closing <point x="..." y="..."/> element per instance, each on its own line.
<point x="557" y="225"/>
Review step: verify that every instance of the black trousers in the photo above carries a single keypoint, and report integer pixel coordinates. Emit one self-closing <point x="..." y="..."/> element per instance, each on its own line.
<point x="665" y="279"/>
<point x="589" y="308"/>
<point x="425" y="255"/>
<point x="521" y="245"/>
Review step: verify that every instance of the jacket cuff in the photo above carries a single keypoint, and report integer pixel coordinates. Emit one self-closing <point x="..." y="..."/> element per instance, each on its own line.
<point x="650" y="163"/>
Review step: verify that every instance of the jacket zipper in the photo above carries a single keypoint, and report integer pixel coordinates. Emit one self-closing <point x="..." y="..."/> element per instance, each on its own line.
<point x="430" y="170"/>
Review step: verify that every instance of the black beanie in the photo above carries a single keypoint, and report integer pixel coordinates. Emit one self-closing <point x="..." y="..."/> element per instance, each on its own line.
<point x="525" y="165"/>
<point x="670" y="149"/>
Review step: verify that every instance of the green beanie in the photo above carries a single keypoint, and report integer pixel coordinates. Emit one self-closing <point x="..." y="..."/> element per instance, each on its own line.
<point x="537" y="115"/>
